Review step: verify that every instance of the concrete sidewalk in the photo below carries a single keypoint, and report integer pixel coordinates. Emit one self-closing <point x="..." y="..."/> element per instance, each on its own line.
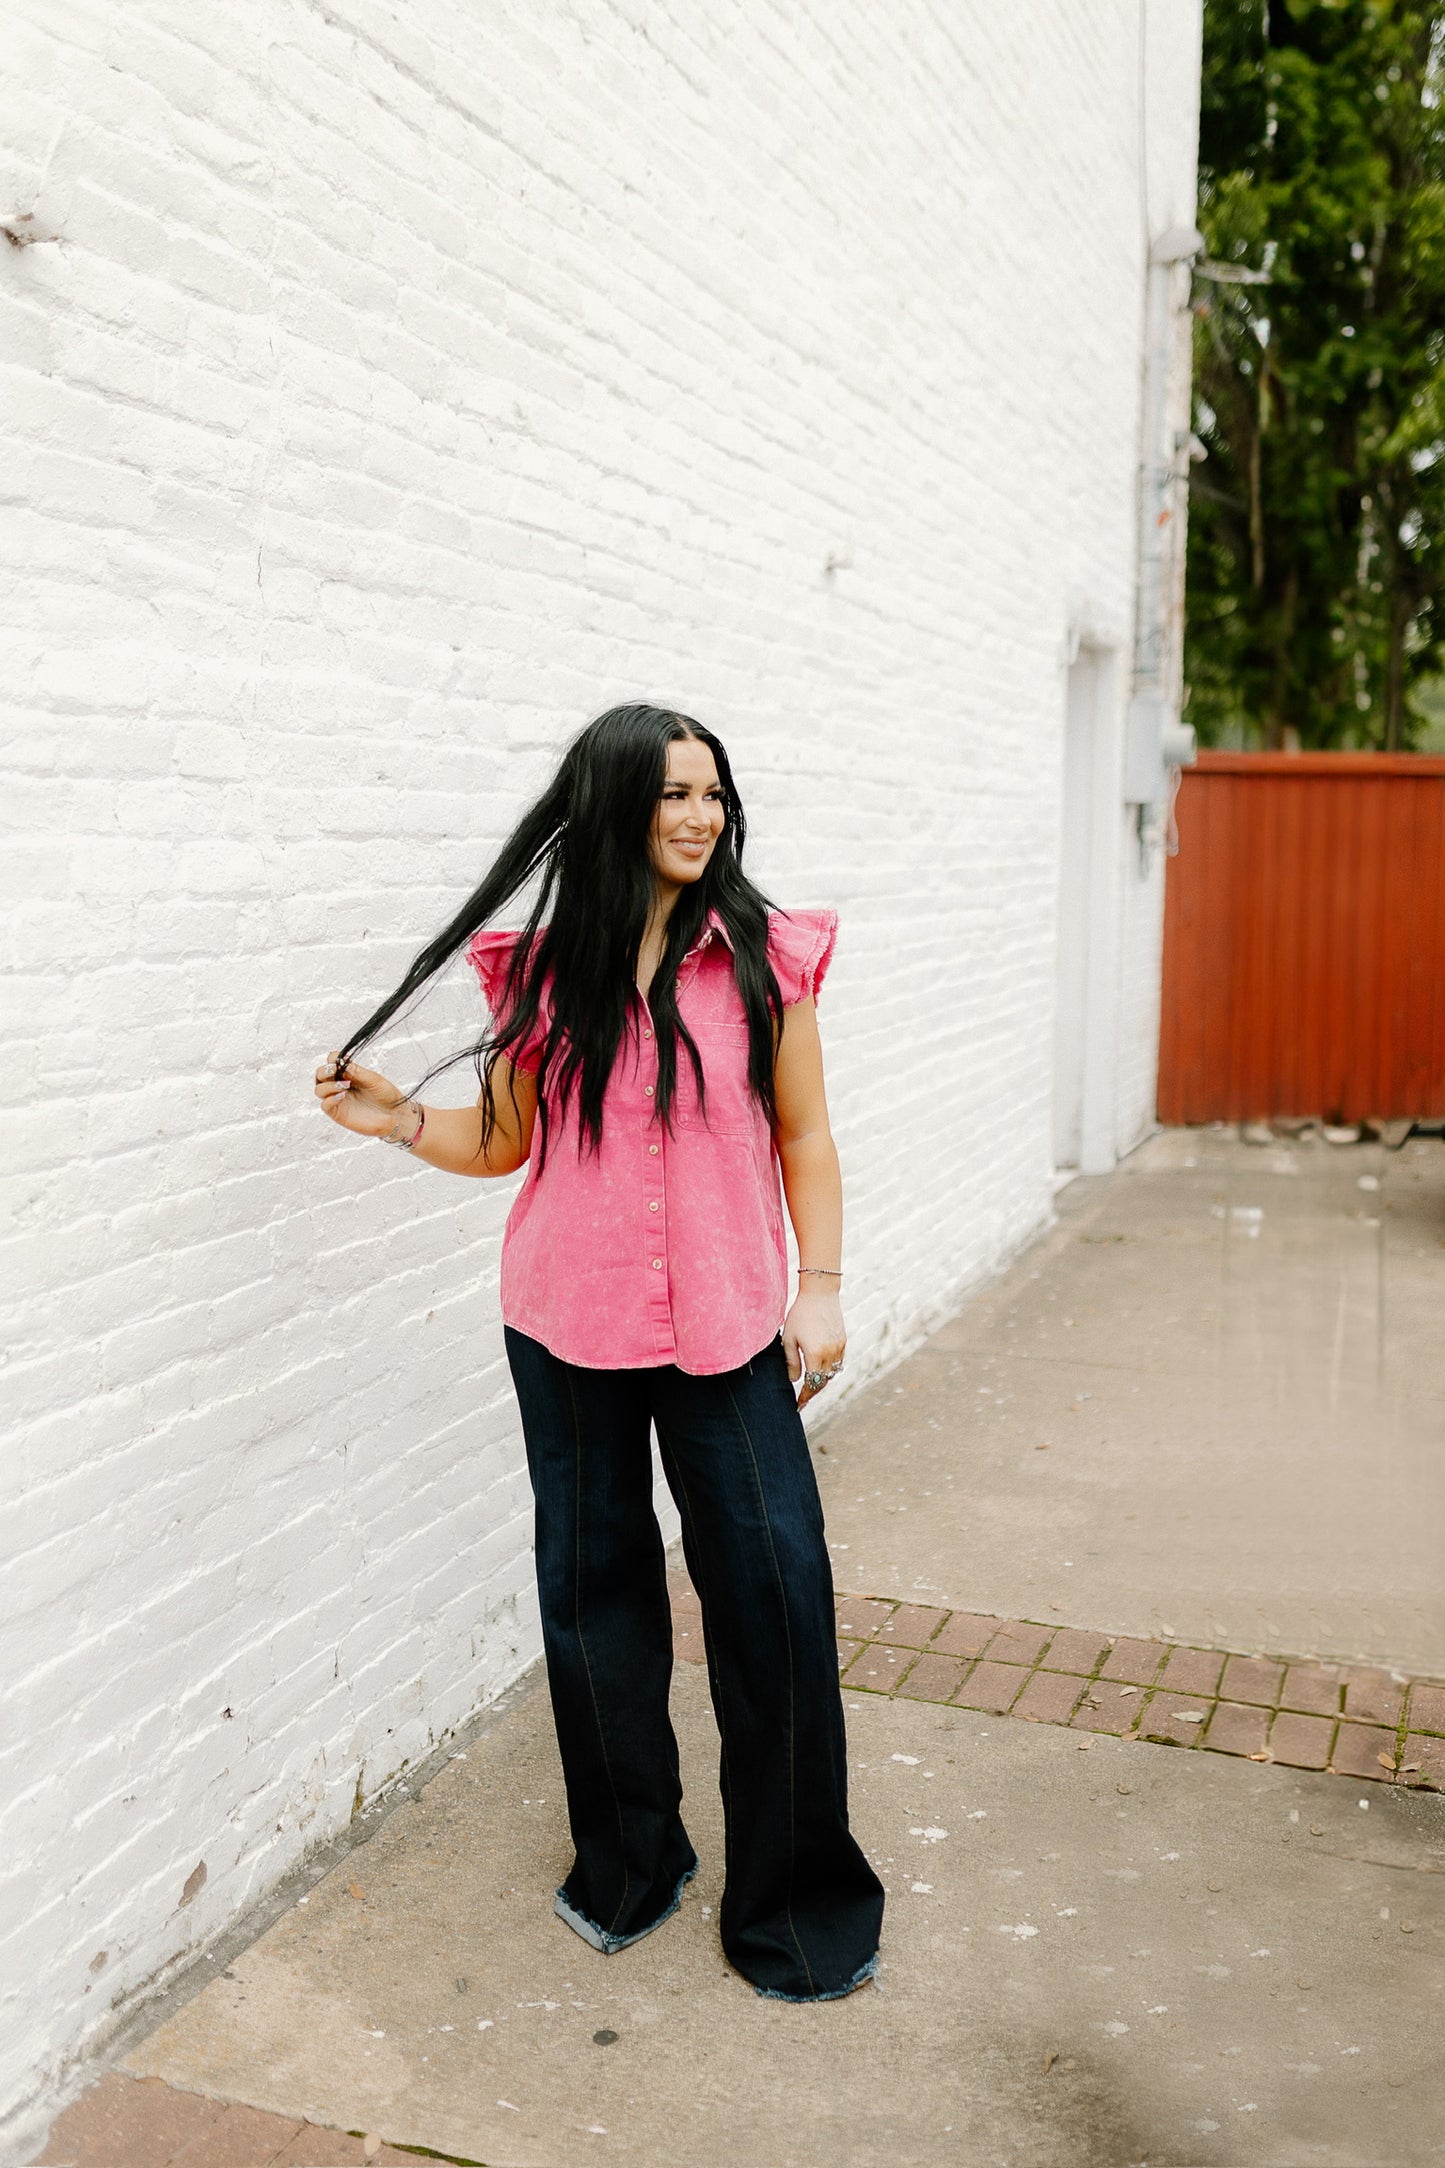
<point x="1210" y="1405"/>
<point x="1203" y="1407"/>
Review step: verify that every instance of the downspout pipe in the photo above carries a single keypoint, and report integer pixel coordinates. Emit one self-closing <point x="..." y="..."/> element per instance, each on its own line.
<point x="1156" y="740"/>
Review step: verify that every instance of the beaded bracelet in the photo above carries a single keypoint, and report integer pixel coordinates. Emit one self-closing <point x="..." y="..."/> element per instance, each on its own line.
<point x="822" y="1272"/>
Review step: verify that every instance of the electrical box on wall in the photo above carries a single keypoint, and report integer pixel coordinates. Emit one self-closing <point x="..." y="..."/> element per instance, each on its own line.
<point x="1154" y="742"/>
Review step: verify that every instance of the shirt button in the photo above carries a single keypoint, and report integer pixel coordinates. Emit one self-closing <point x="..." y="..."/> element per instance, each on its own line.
<point x="653" y="1149"/>
<point x="653" y="1206"/>
<point x="648" y="1089"/>
<point x="647" y="1032"/>
<point x="657" y="1264"/>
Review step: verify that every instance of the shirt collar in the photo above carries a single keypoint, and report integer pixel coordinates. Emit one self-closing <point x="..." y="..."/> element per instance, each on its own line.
<point x="712" y="926"/>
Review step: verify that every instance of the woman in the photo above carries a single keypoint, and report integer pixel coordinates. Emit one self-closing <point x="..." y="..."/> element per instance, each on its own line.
<point x="653" y="1061"/>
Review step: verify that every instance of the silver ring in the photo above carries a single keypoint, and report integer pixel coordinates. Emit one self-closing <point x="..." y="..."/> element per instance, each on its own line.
<point x="815" y="1380"/>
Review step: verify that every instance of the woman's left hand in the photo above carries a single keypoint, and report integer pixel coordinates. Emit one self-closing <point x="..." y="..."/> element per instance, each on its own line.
<point x="813" y="1340"/>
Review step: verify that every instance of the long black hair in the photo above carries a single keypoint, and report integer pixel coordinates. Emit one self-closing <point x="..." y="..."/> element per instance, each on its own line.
<point x="585" y="840"/>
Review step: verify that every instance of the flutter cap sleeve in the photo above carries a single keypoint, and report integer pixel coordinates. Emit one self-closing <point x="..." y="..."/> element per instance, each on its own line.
<point x="490" y="955"/>
<point x="800" y="949"/>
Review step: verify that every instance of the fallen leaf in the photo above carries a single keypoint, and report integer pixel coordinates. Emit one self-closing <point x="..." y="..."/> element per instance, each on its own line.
<point x="1042" y="1447"/>
<point x="1126" y="1789"/>
<point x="1410" y="1767"/>
<point x="354" y="1889"/>
<point x="1264" y="1754"/>
<point x="1123" y="1691"/>
<point x="1050" y="2059"/>
<point x="1084" y="1745"/>
<point x="1386" y="1761"/>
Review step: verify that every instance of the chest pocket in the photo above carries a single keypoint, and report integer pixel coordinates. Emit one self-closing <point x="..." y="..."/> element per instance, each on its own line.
<point x="731" y="1110"/>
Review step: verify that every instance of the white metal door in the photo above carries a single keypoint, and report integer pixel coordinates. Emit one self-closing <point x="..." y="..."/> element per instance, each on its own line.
<point x="1076" y="962"/>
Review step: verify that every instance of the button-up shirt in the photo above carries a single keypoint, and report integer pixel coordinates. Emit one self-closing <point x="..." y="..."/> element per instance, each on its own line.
<point x="666" y="1245"/>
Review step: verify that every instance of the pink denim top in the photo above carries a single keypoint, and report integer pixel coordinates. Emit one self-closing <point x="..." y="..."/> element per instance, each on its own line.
<point x="664" y="1246"/>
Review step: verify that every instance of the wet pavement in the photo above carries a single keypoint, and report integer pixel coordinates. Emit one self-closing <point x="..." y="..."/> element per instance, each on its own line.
<point x="1209" y="1406"/>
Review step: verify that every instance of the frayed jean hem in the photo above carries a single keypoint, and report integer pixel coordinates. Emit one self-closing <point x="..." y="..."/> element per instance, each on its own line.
<point x="828" y="1994"/>
<point x="599" y="1937"/>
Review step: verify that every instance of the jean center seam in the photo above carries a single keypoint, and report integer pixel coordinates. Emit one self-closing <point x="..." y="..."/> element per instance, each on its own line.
<point x="582" y="1646"/>
<point x="792" y="1681"/>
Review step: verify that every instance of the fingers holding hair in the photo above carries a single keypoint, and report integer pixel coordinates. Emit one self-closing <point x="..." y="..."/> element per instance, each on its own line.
<point x="332" y="1084"/>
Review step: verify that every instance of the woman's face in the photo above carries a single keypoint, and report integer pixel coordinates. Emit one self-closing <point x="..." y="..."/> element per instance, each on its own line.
<point x="689" y="817"/>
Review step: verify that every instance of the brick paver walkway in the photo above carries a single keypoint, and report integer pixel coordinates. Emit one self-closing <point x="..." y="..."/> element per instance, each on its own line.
<point x="1348" y="1719"/>
<point x="124" y="2122"/>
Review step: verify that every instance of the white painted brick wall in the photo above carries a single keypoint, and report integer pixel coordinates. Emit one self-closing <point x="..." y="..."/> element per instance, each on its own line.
<point x="406" y="386"/>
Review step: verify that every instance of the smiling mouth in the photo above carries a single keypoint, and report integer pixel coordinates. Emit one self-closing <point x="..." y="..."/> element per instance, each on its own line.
<point x="693" y="849"/>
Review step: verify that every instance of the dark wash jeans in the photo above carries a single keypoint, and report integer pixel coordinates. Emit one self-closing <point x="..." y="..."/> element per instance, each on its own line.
<point x="801" y="1906"/>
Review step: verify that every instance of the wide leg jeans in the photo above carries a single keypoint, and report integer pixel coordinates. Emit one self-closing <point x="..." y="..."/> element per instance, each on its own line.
<point x="801" y="1908"/>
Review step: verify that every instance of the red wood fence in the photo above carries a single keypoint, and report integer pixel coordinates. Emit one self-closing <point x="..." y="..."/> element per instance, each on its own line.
<point x="1304" y="939"/>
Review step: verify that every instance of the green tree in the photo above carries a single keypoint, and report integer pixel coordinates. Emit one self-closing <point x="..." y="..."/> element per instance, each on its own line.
<point x="1317" y="521"/>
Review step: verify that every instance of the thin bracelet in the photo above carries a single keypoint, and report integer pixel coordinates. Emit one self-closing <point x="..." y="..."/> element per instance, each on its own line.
<point x="407" y="1144"/>
<point x="822" y="1272"/>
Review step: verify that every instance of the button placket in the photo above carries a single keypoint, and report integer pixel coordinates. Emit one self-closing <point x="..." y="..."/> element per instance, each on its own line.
<point x="654" y="1195"/>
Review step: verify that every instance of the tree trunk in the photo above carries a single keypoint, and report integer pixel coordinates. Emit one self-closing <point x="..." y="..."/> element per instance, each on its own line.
<point x="1277" y="716"/>
<point x="1395" y="670"/>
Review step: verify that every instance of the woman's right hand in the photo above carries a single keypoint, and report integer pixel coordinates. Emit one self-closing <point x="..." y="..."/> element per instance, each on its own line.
<point x="361" y="1100"/>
